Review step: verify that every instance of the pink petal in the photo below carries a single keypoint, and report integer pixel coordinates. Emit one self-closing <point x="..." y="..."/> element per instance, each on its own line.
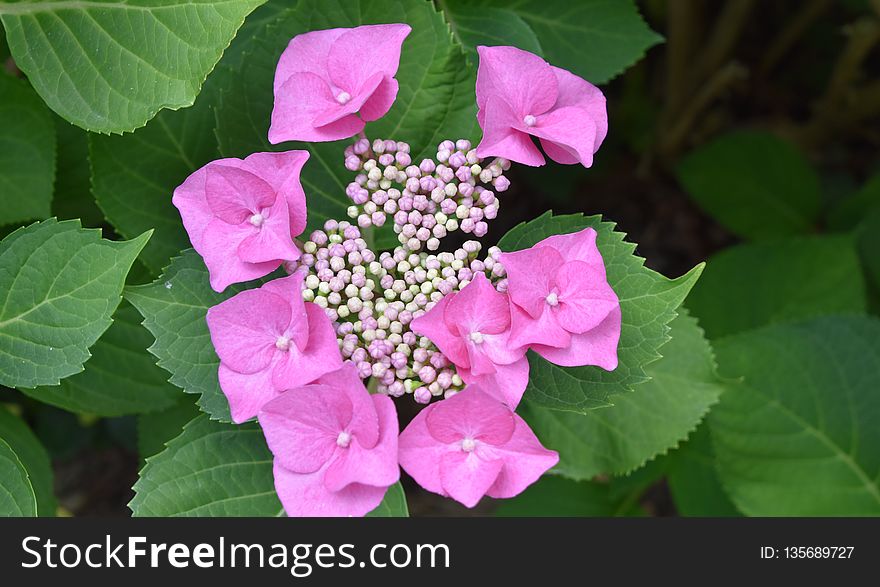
<point x="234" y="194"/>
<point x="271" y="240"/>
<point x="507" y="384"/>
<point x="559" y="153"/>
<point x="466" y="477"/>
<point x="478" y="362"/>
<point x="571" y="128"/>
<point x="530" y="275"/>
<point x="478" y="307"/>
<point x="433" y="325"/>
<point x="307" y="52"/>
<point x="189" y="199"/>
<point x="499" y="350"/>
<point x="282" y="171"/>
<point x="594" y="347"/>
<point x="305" y="495"/>
<point x="243" y="343"/>
<point x="576" y="246"/>
<point x="302" y="424"/>
<point x="380" y="101"/>
<point x="522" y="79"/>
<point x="356" y="99"/>
<point x="303" y="98"/>
<point x="585" y="298"/>
<point x="246" y="393"/>
<point x="377" y="465"/>
<point x="419" y="453"/>
<point x="365" y="424"/>
<point x="362" y="52"/>
<point x="501" y="137"/>
<point x="577" y="92"/>
<point x="290" y="289"/>
<point x="297" y="366"/>
<point x="470" y="414"/>
<point x="525" y="460"/>
<point x="526" y="331"/>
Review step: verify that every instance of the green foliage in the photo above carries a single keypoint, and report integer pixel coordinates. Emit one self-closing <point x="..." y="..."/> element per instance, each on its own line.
<point x="120" y="378"/>
<point x="752" y="285"/>
<point x="155" y="430"/>
<point x="641" y="424"/>
<point x="852" y="210"/>
<point x="755" y="184"/>
<point x="73" y="191"/>
<point x="393" y="505"/>
<point x="59" y="285"/>
<point x="596" y="39"/>
<point x="110" y="66"/>
<point x="33" y="458"/>
<point x="648" y="302"/>
<point x="27" y="153"/>
<point x="558" y="497"/>
<point x="798" y="434"/>
<point x="17" y="497"/>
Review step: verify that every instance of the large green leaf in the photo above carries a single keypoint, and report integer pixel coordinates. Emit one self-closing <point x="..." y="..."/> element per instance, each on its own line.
<point x="27" y="153"/>
<point x="648" y="302"/>
<point x="755" y="184"/>
<point x="211" y="469"/>
<point x="852" y="211"/>
<point x="155" y="430"/>
<point x="798" y="436"/>
<point x="33" y="457"/>
<point x="73" y="190"/>
<point x="110" y="65"/>
<point x="59" y="285"/>
<point x="120" y="378"/>
<point x="641" y="424"/>
<point x="693" y="478"/>
<point x="558" y="497"/>
<point x="596" y="39"/>
<point x="134" y="176"/>
<point x="436" y="98"/>
<point x="752" y="285"/>
<point x="393" y="505"/>
<point x="174" y="309"/>
<point x="17" y="497"/>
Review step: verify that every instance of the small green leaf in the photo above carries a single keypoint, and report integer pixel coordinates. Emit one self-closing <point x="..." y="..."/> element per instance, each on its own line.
<point x="27" y="153"/>
<point x="110" y="66"/>
<point x="211" y="469"/>
<point x="33" y="458"/>
<point x="393" y="504"/>
<point x="157" y="429"/>
<point x="59" y="285"/>
<point x="752" y="285"/>
<point x="121" y="377"/>
<point x="595" y="39"/>
<point x="648" y="302"/>
<point x="642" y="423"/>
<point x="798" y="436"/>
<point x="558" y="497"/>
<point x="755" y="184"/>
<point x="17" y="497"/>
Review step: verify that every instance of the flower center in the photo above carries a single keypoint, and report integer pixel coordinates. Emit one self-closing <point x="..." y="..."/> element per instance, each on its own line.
<point x="529" y="120"/>
<point x="468" y="445"/>
<point x="282" y="343"/>
<point x="476" y="337"/>
<point x="343" y="97"/>
<point x="552" y="299"/>
<point x="256" y="219"/>
<point x="343" y="440"/>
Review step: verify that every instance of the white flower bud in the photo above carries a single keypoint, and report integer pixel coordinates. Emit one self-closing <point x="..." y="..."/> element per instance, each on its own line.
<point x="343" y="311"/>
<point x="321" y="301"/>
<point x="452" y="225"/>
<point x="308" y="295"/>
<point x="352" y="211"/>
<point x="324" y="288"/>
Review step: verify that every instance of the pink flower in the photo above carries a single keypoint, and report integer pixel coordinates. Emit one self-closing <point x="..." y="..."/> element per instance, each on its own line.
<point x="472" y="328"/>
<point x="325" y="77"/>
<point x="519" y="94"/>
<point x="270" y="340"/>
<point x="562" y="306"/>
<point x="471" y="445"/>
<point x="241" y="215"/>
<point x="335" y="446"/>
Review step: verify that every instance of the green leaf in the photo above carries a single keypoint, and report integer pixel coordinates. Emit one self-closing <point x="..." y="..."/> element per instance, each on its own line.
<point x="134" y="176"/>
<point x="17" y="497"/>
<point x="27" y="153"/>
<point x="693" y="479"/>
<point x="648" y="302"/>
<point x="109" y="66"/>
<point x="211" y="469"/>
<point x="868" y="240"/>
<point x="752" y="285"/>
<point x="595" y="39"/>
<point x="73" y="191"/>
<point x="436" y="98"/>
<point x="33" y="458"/>
<point x="393" y="504"/>
<point x="121" y="377"/>
<point x="851" y="211"/>
<point x="755" y="184"/>
<point x="557" y="497"/>
<point x="59" y="285"/>
<point x="174" y="308"/>
<point x="641" y="424"/>
<point x="799" y="435"/>
<point x="157" y="429"/>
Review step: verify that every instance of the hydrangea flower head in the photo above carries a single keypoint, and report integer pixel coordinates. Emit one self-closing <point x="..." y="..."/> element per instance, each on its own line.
<point x="471" y="445"/>
<point x="562" y="305"/>
<point x="326" y="78"/>
<point x="335" y="446"/>
<point x="520" y="96"/>
<point x="472" y="328"/>
<point x="241" y="215"/>
<point x="270" y="340"/>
